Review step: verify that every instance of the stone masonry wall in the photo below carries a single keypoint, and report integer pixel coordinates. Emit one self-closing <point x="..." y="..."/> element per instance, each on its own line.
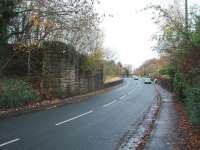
<point x="62" y="76"/>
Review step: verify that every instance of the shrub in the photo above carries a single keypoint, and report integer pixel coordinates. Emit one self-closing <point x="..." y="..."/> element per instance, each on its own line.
<point x="16" y="93"/>
<point x="193" y="104"/>
<point x="179" y="86"/>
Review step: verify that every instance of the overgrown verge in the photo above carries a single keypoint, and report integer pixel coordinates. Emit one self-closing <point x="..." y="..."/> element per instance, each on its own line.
<point x="193" y="104"/>
<point x="187" y="105"/>
<point x="188" y="136"/>
<point x="15" y="93"/>
<point x="188" y="95"/>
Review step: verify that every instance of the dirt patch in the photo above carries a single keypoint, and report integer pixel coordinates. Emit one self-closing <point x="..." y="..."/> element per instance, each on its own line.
<point x="112" y="79"/>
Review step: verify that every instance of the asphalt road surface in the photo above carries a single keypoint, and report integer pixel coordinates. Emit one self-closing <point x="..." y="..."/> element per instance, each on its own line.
<point x="97" y="123"/>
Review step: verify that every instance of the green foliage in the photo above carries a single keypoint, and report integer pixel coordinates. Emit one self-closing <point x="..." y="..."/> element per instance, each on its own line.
<point x="193" y="104"/>
<point x="171" y="70"/>
<point x="110" y="68"/>
<point x="195" y="38"/>
<point x="182" y="45"/>
<point x="6" y="14"/>
<point x="93" y="61"/>
<point x="16" y="93"/>
<point x="179" y="86"/>
<point x="163" y="71"/>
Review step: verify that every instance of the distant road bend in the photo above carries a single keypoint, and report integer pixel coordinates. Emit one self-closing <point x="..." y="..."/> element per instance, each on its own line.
<point x="94" y="124"/>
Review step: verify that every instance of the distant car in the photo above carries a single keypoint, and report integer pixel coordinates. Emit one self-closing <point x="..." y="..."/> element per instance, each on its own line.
<point x="135" y="78"/>
<point x="147" y="81"/>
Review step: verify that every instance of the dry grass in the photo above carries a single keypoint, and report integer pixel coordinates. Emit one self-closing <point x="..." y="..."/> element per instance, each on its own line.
<point x="111" y="79"/>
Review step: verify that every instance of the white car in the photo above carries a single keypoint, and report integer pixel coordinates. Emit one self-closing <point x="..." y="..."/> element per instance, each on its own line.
<point x="147" y="81"/>
<point x="136" y="78"/>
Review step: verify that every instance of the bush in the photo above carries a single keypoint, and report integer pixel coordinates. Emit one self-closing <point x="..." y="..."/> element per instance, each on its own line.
<point x="193" y="104"/>
<point x="179" y="86"/>
<point x="15" y="93"/>
<point x="166" y="83"/>
<point x="169" y="70"/>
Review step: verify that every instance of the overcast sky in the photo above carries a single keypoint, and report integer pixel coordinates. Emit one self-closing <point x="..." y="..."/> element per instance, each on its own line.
<point x="128" y="33"/>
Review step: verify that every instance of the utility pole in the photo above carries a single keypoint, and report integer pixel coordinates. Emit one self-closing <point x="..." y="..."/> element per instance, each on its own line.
<point x="186" y="15"/>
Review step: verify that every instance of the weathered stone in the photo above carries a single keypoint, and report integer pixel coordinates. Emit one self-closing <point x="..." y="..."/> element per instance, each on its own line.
<point x="61" y="72"/>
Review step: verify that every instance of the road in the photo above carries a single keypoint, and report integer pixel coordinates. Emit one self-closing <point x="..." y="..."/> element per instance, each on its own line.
<point x="97" y="123"/>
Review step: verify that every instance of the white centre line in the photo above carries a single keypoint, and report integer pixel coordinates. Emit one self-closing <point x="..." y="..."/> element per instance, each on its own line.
<point x="122" y="97"/>
<point x="133" y="89"/>
<point x="129" y="92"/>
<point x="68" y="120"/>
<point x="51" y="107"/>
<point x="9" y="142"/>
<point x="106" y="105"/>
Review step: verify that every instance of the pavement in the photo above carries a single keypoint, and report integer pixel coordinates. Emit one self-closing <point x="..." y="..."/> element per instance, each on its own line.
<point x="97" y="123"/>
<point x="163" y="136"/>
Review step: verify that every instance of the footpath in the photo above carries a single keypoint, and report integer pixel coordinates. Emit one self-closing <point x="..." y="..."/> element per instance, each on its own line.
<point x="163" y="136"/>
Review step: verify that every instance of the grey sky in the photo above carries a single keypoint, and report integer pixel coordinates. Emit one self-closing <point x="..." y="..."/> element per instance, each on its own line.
<point x="129" y="31"/>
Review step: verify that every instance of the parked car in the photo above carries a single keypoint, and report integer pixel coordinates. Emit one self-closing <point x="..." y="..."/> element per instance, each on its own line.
<point x="147" y="81"/>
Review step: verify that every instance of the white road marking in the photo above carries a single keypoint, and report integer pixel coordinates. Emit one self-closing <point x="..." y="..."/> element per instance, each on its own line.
<point x="51" y="107"/>
<point x="122" y="97"/>
<point x="129" y="92"/>
<point x="9" y="142"/>
<point x="68" y="120"/>
<point x="106" y="105"/>
<point x="133" y="89"/>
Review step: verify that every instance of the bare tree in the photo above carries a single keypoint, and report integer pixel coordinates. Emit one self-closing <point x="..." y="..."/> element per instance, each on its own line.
<point x="74" y="22"/>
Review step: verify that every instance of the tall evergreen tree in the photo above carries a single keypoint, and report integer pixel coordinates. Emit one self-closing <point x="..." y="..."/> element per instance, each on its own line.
<point x="7" y="12"/>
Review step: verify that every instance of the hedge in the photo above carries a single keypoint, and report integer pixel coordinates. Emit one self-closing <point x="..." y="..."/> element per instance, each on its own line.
<point x="193" y="104"/>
